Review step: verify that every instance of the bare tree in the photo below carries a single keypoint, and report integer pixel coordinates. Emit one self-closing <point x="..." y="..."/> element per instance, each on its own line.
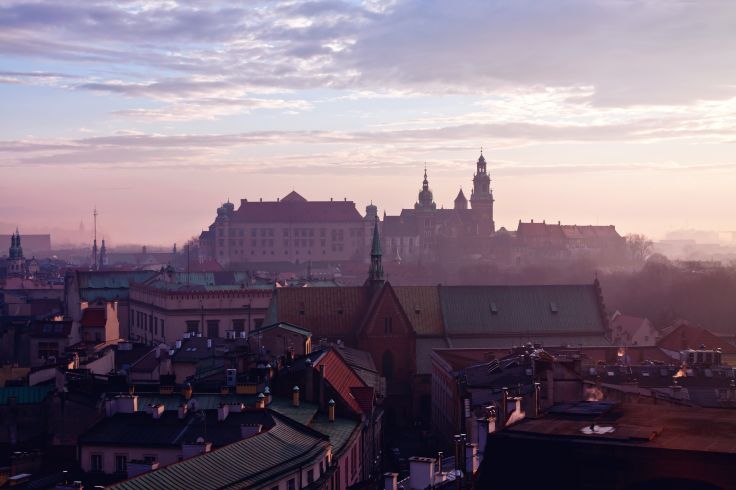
<point x="640" y="247"/>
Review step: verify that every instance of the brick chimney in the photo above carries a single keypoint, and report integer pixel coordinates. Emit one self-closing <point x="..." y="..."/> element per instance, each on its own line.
<point x="390" y="481"/>
<point x="295" y="396"/>
<point x="331" y="410"/>
<point x="322" y="382"/>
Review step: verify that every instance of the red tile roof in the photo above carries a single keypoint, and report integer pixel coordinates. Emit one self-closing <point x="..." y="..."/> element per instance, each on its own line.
<point x="93" y="317"/>
<point x="364" y="396"/>
<point x="294" y="210"/>
<point x="341" y="377"/>
<point x="686" y="336"/>
<point x="334" y="313"/>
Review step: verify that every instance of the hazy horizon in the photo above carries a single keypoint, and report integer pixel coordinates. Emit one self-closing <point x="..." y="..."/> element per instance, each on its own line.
<point x="157" y="112"/>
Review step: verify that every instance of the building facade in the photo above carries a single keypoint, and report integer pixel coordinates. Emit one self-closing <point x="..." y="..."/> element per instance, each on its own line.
<point x="290" y="229"/>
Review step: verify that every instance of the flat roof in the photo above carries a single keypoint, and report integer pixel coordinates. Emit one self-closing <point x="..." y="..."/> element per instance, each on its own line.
<point x="656" y="426"/>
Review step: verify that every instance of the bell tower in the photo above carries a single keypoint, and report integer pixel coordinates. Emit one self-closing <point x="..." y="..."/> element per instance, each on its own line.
<point x="481" y="198"/>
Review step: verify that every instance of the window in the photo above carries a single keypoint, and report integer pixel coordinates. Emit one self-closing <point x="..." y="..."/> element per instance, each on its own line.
<point x="310" y="476"/>
<point x="291" y="484"/>
<point x="213" y="328"/>
<point x="192" y="326"/>
<point x="121" y="463"/>
<point x="96" y="462"/>
<point x="239" y="324"/>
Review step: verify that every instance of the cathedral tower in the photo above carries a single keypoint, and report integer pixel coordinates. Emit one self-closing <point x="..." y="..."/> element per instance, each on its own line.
<point x="481" y="198"/>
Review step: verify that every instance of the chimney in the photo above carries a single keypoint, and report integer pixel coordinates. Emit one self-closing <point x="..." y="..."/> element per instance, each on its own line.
<point x="421" y="471"/>
<point x="186" y="391"/>
<point x="111" y="407"/>
<point x="482" y="430"/>
<point x="537" y="408"/>
<point x="390" y="481"/>
<point x="322" y="369"/>
<point x="156" y="410"/>
<point x="504" y="409"/>
<point x="209" y="343"/>
<point x="182" y="411"/>
<point x="331" y="410"/>
<point x="178" y="344"/>
<point x="222" y="412"/>
<point x="127" y="403"/>
<point x="309" y="381"/>
<point x="261" y="401"/>
<point x="250" y="430"/>
<point x="267" y="394"/>
<point x="471" y="459"/>
<point x="295" y="396"/>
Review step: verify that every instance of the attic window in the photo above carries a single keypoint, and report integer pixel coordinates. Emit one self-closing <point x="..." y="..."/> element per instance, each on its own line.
<point x="553" y="307"/>
<point x="494" y="309"/>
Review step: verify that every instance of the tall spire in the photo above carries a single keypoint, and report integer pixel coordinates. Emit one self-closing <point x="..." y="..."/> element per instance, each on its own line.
<point x="95" y="264"/>
<point x="426" y="199"/>
<point x="375" y="273"/>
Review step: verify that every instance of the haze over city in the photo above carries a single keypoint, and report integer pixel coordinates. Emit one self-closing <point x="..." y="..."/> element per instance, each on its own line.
<point x="157" y="112"/>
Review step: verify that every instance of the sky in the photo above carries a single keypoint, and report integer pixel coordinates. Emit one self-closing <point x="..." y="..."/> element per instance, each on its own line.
<point x="156" y="112"/>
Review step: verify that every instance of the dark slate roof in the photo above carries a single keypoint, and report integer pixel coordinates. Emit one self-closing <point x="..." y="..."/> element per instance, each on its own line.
<point x="296" y="211"/>
<point x="49" y="329"/>
<point x="140" y="429"/>
<point x="252" y="462"/>
<point x="521" y="309"/>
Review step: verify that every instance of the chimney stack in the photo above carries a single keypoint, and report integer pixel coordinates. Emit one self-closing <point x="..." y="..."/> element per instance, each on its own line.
<point x="503" y="412"/>
<point x="390" y="481"/>
<point x="537" y="408"/>
<point x="331" y="410"/>
<point x="222" y="412"/>
<point x="267" y="395"/>
<point x="261" y="402"/>
<point x="156" y="410"/>
<point x="295" y="396"/>
<point x="471" y="459"/>
<point x="186" y="391"/>
<point x="309" y="393"/>
<point x="421" y="471"/>
<point x="322" y="386"/>
<point x="182" y="410"/>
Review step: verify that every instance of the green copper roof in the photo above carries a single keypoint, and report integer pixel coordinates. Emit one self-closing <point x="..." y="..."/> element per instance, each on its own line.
<point x="25" y="395"/>
<point x="338" y="431"/>
<point x="538" y="310"/>
<point x="251" y="463"/>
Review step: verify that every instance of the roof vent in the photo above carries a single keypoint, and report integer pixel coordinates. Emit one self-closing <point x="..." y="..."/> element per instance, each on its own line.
<point x="553" y="307"/>
<point x="494" y="308"/>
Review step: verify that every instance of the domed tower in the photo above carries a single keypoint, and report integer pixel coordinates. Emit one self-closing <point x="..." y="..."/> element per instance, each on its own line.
<point x="16" y="261"/>
<point x="481" y="198"/>
<point x="460" y="201"/>
<point x="426" y="200"/>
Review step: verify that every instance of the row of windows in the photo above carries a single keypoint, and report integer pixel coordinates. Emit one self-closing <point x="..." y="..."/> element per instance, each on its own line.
<point x="337" y="234"/>
<point x="148" y="322"/>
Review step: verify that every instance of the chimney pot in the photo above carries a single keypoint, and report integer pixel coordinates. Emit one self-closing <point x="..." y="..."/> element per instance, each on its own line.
<point x="331" y="410"/>
<point x="295" y="396"/>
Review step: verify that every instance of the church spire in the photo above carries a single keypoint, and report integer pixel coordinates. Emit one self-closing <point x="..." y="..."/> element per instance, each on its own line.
<point x="375" y="273"/>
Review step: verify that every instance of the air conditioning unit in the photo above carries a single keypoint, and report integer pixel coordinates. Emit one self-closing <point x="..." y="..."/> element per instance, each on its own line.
<point x="231" y="377"/>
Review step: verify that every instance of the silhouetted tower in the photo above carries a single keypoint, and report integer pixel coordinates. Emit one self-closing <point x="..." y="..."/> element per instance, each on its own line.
<point x="460" y="201"/>
<point x="426" y="200"/>
<point x="375" y="272"/>
<point x="103" y="256"/>
<point x="95" y="264"/>
<point x="481" y="198"/>
<point x="16" y="261"/>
